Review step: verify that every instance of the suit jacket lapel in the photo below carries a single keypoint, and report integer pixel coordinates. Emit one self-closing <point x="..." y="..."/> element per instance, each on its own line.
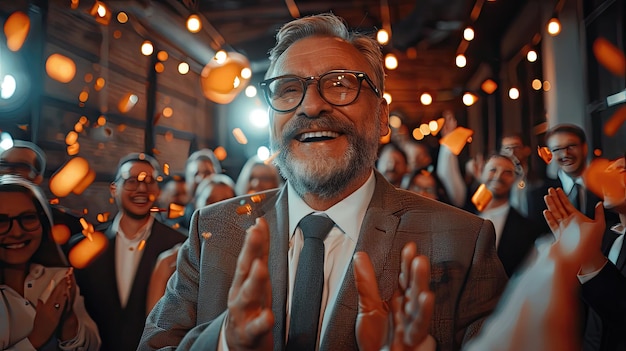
<point x="276" y="214"/>
<point x="376" y="239"/>
<point x="109" y="280"/>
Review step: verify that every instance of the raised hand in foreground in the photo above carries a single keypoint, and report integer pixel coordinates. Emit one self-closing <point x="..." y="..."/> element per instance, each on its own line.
<point x="401" y="324"/>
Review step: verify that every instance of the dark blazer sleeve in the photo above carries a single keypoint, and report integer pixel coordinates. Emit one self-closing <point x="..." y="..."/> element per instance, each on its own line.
<point x="606" y="294"/>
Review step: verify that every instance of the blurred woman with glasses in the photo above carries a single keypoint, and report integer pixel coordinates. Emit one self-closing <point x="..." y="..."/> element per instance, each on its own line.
<point x="40" y="301"/>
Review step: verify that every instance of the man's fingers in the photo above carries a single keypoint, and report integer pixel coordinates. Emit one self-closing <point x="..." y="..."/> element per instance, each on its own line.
<point x="256" y="246"/>
<point x="254" y="289"/>
<point x="599" y="216"/>
<point x="417" y="330"/>
<point x="409" y="251"/>
<point x="552" y="223"/>
<point x="261" y="325"/>
<point x="567" y="205"/>
<point x="365" y="279"/>
<point x="420" y="273"/>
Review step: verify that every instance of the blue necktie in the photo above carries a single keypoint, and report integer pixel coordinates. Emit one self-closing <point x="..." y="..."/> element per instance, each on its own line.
<point x="307" y="292"/>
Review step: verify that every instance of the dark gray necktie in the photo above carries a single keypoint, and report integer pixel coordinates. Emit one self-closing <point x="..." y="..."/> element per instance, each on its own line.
<point x="574" y="197"/>
<point x="307" y="291"/>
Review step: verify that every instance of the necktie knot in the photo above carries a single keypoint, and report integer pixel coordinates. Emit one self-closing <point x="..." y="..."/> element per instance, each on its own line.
<point x="316" y="227"/>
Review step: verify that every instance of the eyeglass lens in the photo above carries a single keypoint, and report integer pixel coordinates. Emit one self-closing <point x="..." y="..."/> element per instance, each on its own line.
<point x="28" y="221"/>
<point x="337" y="88"/>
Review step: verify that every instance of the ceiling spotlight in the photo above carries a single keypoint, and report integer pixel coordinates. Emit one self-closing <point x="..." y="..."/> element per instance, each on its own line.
<point x="183" y="68"/>
<point x="554" y="26"/>
<point x="514" y="93"/>
<point x="193" y="23"/>
<point x="387" y="97"/>
<point x="461" y="61"/>
<point x="468" y="34"/>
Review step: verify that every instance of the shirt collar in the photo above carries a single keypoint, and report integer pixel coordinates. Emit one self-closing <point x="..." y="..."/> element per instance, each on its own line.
<point x="144" y="231"/>
<point x="347" y="214"/>
<point x="619" y="229"/>
<point x="567" y="182"/>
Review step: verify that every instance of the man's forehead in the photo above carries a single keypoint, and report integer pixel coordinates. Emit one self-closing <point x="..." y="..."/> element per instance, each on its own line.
<point x="136" y="167"/>
<point x="562" y="137"/>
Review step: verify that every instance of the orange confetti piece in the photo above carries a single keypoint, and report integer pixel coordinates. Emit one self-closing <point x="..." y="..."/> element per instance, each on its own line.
<point x="481" y="197"/>
<point x="23" y="127"/>
<point x="604" y="180"/>
<point x="545" y="154"/>
<point x="54" y="201"/>
<point x="257" y="198"/>
<point x="206" y="235"/>
<point x="175" y="211"/>
<point x="83" y="253"/>
<point x="103" y="217"/>
<point x="244" y="209"/>
<point x="84" y="223"/>
<point x="609" y="56"/>
<point x="615" y="122"/>
<point x="456" y="140"/>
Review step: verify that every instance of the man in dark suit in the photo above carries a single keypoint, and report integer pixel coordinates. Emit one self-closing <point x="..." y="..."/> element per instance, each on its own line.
<point x="515" y="234"/>
<point x="115" y="284"/>
<point x="238" y="278"/>
<point x="569" y="148"/>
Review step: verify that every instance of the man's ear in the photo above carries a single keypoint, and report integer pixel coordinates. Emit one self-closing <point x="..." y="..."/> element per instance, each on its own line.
<point x="384" y="118"/>
<point x="38" y="179"/>
<point x="113" y="189"/>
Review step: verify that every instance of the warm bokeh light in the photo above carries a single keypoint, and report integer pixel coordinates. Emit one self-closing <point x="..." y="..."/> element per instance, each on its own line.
<point x="60" y="233"/>
<point x="426" y="99"/>
<point x="100" y="82"/>
<point x="615" y="122"/>
<point x="101" y="13"/>
<point x="85" y="182"/>
<point x="391" y="61"/>
<point x="168" y="112"/>
<point x="220" y="56"/>
<point x="73" y="149"/>
<point x="395" y="121"/>
<point x="250" y="91"/>
<point x="417" y="134"/>
<point x="536" y="84"/>
<point x="531" y="56"/>
<point x="163" y="55"/>
<point x="387" y="97"/>
<point x="146" y="48"/>
<point x="83" y="96"/>
<point x="468" y="34"/>
<point x="101" y="121"/>
<point x="220" y="153"/>
<point x="246" y="73"/>
<point x="60" y="68"/>
<point x="469" y="99"/>
<point x="433" y="126"/>
<point x="554" y="26"/>
<point x="122" y="17"/>
<point x="546" y="86"/>
<point x="263" y="153"/>
<point x="610" y="56"/>
<point x="159" y="67"/>
<point x="425" y="129"/>
<point x="382" y="37"/>
<point x="489" y="86"/>
<point x="460" y="61"/>
<point x="514" y="93"/>
<point x="183" y="68"/>
<point x="194" y="24"/>
<point x="16" y="30"/>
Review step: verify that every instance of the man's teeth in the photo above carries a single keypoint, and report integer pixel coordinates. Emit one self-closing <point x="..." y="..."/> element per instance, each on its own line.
<point x="319" y="134"/>
<point x="140" y="199"/>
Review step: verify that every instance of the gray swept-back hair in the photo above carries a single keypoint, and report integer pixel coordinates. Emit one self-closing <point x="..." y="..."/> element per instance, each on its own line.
<point x="329" y="25"/>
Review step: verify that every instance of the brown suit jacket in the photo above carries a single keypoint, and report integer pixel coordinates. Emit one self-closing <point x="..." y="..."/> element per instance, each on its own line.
<point x="467" y="276"/>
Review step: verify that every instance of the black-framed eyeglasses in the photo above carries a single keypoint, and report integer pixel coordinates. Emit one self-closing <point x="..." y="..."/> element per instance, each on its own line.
<point x="132" y="183"/>
<point x="18" y="168"/>
<point x="569" y="148"/>
<point x="337" y="87"/>
<point x="28" y="221"/>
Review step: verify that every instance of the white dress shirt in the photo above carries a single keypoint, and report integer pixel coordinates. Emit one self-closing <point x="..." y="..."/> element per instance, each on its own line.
<point x="497" y="215"/>
<point x="127" y="256"/>
<point x="613" y="253"/>
<point x="567" y="184"/>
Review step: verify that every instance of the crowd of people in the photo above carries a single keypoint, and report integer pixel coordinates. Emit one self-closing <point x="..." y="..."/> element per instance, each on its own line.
<point x="340" y="244"/>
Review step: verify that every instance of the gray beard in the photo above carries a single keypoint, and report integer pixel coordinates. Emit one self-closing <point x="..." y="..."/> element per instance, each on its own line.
<point x="325" y="177"/>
